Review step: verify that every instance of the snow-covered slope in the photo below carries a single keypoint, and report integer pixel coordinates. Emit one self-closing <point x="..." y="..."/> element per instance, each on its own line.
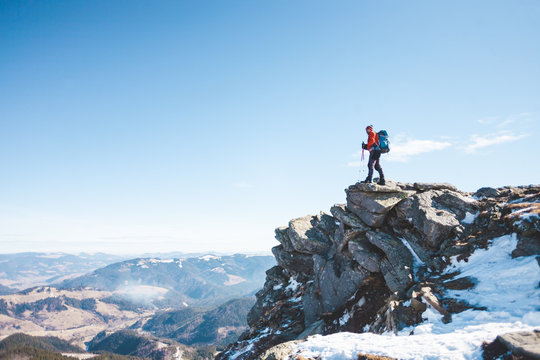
<point x="507" y="288"/>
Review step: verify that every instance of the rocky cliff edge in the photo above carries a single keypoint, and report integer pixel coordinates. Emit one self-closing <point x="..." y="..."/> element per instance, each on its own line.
<point x="375" y="263"/>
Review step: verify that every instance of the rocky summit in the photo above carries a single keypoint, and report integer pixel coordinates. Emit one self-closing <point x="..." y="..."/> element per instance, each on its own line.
<point x="375" y="264"/>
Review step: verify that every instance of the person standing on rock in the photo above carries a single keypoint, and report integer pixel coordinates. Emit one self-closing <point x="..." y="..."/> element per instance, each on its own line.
<point x="374" y="156"/>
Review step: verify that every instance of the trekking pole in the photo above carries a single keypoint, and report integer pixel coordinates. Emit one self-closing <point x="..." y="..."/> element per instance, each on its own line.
<point x="362" y="169"/>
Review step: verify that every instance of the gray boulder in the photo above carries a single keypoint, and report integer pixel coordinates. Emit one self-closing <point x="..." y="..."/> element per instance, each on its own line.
<point x="488" y="192"/>
<point x="434" y="186"/>
<point x="519" y="345"/>
<point x="524" y="343"/>
<point x="347" y="218"/>
<point x="429" y="219"/>
<point x="371" y="202"/>
<point x="312" y="234"/>
<point x="397" y="266"/>
<point x="456" y="203"/>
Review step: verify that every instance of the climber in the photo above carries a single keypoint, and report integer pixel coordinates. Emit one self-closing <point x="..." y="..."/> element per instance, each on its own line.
<point x="374" y="155"/>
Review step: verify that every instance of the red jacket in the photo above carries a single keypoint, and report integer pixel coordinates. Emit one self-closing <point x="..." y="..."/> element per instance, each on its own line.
<point x="373" y="139"/>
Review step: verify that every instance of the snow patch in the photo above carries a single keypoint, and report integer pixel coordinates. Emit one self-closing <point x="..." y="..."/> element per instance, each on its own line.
<point x="218" y="270"/>
<point x="344" y="319"/>
<point x="469" y="218"/>
<point x="293" y="285"/>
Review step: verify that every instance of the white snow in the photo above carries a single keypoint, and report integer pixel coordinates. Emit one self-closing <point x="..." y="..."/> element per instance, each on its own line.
<point x="233" y="280"/>
<point x="50" y="256"/>
<point x="469" y="218"/>
<point x="293" y="285"/>
<point x="218" y="270"/>
<point x="249" y="344"/>
<point x="345" y="318"/>
<point x="416" y="260"/>
<point x="507" y="287"/>
<point x="208" y="257"/>
<point x="142" y="265"/>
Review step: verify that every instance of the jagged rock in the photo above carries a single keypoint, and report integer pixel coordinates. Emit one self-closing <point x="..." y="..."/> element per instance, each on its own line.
<point x="311" y="234"/>
<point x="522" y="345"/>
<point x="335" y="282"/>
<point x="430" y="221"/>
<point x="364" y="253"/>
<point x="283" y="238"/>
<point x="293" y="261"/>
<point x="279" y="352"/>
<point x="353" y="271"/>
<point x="433" y="186"/>
<point x="275" y="277"/>
<point x="311" y="302"/>
<point x="394" y="316"/>
<point x="486" y="192"/>
<point x="390" y="187"/>
<point x="406" y="186"/>
<point x="341" y="214"/>
<point x="400" y="316"/>
<point x="371" y="202"/>
<point x="456" y="203"/>
<point x="398" y="265"/>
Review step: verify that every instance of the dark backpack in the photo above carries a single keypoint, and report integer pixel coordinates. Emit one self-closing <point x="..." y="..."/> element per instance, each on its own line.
<point x="384" y="142"/>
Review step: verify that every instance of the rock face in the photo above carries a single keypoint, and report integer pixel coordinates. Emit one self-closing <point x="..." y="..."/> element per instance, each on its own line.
<point x="374" y="264"/>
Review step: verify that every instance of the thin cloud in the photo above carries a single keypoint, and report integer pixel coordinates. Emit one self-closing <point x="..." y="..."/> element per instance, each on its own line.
<point x="403" y="149"/>
<point x="481" y="141"/>
<point x="512" y="119"/>
<point x="505" y="121"/>
<point x="489" y="120"/>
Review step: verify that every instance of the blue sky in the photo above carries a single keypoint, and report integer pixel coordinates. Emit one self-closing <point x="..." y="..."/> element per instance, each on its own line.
<point x="135" y="126"/>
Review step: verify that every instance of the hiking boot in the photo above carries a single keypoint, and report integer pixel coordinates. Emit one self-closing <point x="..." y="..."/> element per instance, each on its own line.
<point x="367" y="181"/>
<point x="381" y="181"/>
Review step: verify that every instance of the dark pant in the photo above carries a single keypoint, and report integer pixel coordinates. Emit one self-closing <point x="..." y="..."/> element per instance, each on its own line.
<point x="374" y="162"/>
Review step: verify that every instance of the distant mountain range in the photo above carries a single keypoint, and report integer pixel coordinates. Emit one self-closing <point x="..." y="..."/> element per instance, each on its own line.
<point x="24" y="270"/>
<point x="21" y="271"/>
<point x="190" y="295"/>
<point x="175" y="283"/>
